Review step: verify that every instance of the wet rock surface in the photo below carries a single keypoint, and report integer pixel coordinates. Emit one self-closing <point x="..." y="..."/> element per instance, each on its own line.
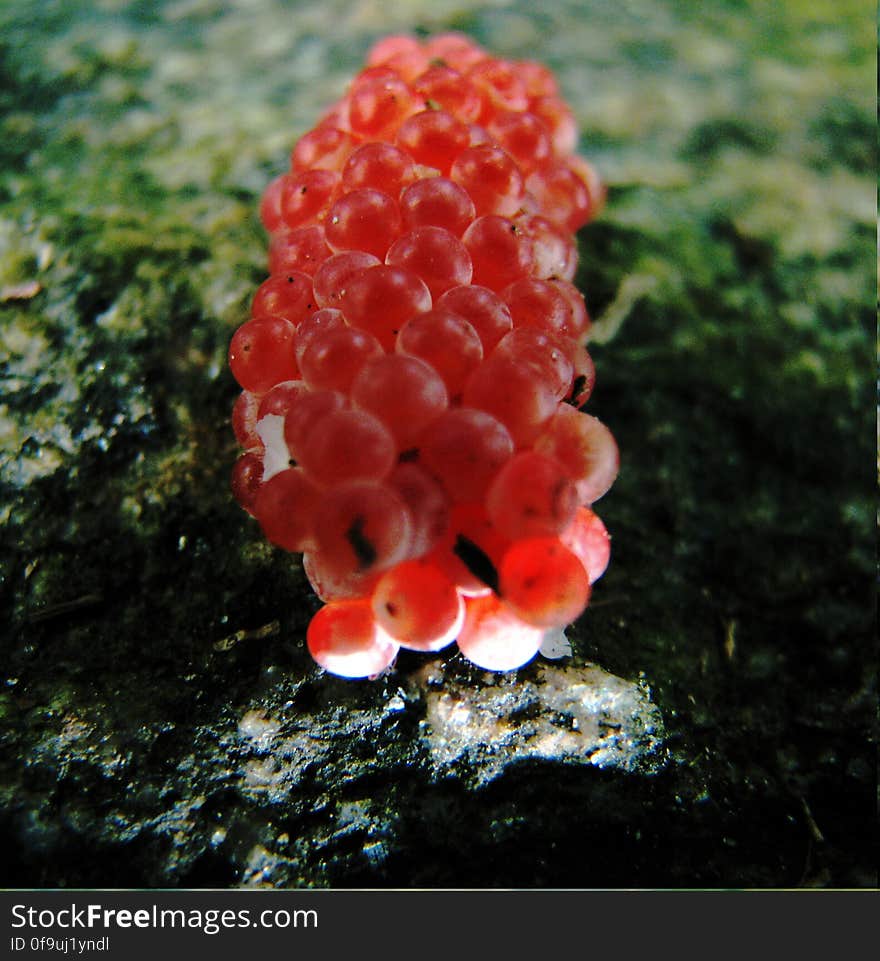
<point x="160" y="721"/>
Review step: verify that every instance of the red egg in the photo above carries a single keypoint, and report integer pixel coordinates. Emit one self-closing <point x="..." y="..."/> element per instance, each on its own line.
<point x="413" y="369"/>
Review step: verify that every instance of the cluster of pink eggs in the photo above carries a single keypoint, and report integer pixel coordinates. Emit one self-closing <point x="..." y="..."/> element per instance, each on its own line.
<point x="414" y="367"/>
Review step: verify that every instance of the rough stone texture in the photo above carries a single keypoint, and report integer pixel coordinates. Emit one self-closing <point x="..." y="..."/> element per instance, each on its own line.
<point x="161" y="723"/>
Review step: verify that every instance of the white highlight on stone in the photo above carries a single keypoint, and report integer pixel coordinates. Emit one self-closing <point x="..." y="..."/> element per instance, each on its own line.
<point x="555" y="644"/>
